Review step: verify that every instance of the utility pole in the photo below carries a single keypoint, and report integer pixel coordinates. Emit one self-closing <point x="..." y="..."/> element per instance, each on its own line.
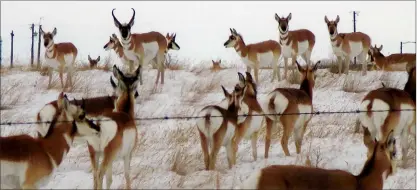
<point x="354" y="29"/>
<point x="11" y="50"/>
<point x="39" y="44"/>
<point x="32" y="28"/>
<point x="401" y="45"/>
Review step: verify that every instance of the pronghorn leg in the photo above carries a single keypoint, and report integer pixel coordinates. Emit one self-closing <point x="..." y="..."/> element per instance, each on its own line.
<point x="285" y="67"/>
<point x="28" y="186"/>
<point x="339" y="62"/>
<point x="217" y="144"/>
<point x="278" y="69"/>
<point x="256" y="72"/>
<point x="94" y="158"/>
<point x="404" y="145"/>
<point x="127" y="160"/>
<point x="254" y="138"/>
<point x="362" y="59"/>
<point x="160" y="61"/>
<point x="293" y="65"/>
<point x="50" y="76"/>
<point x="347" y="62"/>
<point x="307" y="56"/>
<point x="230" y="154"/>
<point x="109" y="176"/>
<point x="248" y="69"/>
<point x="269" y="124"/>
<point x="298" y="136"/>
<point x="61" y="76"/>
<point x="107" y="162"/>
<point x="288" y="127"/>
<point x="204" y="147"/>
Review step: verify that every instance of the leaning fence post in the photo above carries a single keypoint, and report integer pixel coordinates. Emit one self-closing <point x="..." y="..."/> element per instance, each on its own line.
<point x="1" y="47"/>
<point x="11" y="50"/>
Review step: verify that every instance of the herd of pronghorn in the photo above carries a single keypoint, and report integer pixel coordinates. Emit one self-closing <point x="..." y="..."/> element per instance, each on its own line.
<point x="108" y="123"/>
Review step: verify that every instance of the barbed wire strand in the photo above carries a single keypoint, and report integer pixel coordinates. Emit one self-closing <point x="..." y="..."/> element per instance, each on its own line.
<point x="198" y="117"/>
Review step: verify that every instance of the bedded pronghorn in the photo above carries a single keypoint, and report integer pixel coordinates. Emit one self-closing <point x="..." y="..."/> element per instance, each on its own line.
<point x="348" y="45"/>
<point x="375" y="171"/>
<point x="393" y="62"/>
<point x="289" y="101"/>
<point x="59" y="57"/>
<point x="33" y="160"/>
<point x="142" y="48"/>
<point x="93" y="62"/>
<point x="254" y="56"/>
<point x="216" y="65"/>
<point x="379" y="123"/>
<point x="294" y="43"/>
<point x="93" y="107"/>
<point x="119" y="136"/>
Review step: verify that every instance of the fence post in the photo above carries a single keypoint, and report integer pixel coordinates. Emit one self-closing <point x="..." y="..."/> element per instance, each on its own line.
<point x="39" y="47"/>
<point x="32" y="30"/>
<point x="11" y="50"/>
<point x="1" y="52"/>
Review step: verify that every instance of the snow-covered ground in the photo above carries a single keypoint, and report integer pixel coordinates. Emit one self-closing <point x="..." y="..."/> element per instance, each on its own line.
<point x="169" y="153"/>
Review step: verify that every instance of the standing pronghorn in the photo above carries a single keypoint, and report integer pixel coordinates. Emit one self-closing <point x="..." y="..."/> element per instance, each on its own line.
<point x="59" y="57"/>
<point x="379" y="116"/>
<point x="33" y="160"/>
<point x="393" y="62"/>
<point x="119" y="136"/>
<point x="290" y="101"/>
<point x="255" y="55"/>
<point x="348" y="45"/>
<point x="216" y="65"/>
<point x="375" y="171"/>
<point x="143" y="47"/>
<point x="294" y="43"/>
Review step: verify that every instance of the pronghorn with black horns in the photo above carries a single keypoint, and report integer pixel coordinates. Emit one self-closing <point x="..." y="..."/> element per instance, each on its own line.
<point x="254" y="56"/>
<point x="142" y="48"/>
<point x="348" y="45"/>
<point x="393" y="62"/>
<point x="119" y="137"/>
<point x="33" y="160"/>
<point x="294" y="43"/>
<point x="390" y="109"/>
<point x="289" y="102"/>
<point x="59" y="57"/>
<point x="376" y="170"/>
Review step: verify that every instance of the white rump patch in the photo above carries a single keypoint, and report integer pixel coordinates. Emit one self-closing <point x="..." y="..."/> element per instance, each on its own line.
<point x="47" y="113"/>
<point x="214" y="124"/>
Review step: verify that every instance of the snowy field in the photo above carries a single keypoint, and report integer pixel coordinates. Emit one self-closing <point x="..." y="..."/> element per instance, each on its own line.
<point x="169" y="153"/>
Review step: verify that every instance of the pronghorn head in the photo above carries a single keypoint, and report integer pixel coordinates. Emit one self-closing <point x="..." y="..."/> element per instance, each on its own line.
<point x="171" y="42"/>
<point x="216" y="65"/>
<point x="93" y="62"/>
<point x="228" y="99"/>
<point x="233" y="40"/>
<point x="239" y="95"/>
<point x="308" y="74"/>
<point x="126" y="82"/>
<point x="283" y="22"/>
<point x="48" y="37"/>
<point x="112" y="43"/>
<point x="376" y="51"/>
<point x="332" y="25"/>
<point x="113" y="84"/>
<point x="125" y="28"/>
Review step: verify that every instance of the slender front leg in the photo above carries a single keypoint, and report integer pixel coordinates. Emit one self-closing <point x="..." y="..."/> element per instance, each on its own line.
<point x="256" y="71"/>
<point x="61" y="75"/>
<point x="347" y="64"/>
<point x="50" y="76"/>
<point x="269" y="124"/>
<point x="205" y="148"/>
<point x="248" y="69"/>
<point x="254" y="138"/>
<point x="285" y="68"/>
<point x="127" y="160"/>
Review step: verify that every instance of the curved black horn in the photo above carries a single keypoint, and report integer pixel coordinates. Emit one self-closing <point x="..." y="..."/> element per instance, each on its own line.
<point x="133" y="17"/>
<point x="114" y="17"/>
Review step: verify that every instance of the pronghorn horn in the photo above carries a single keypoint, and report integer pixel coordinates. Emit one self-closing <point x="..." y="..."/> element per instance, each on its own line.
<point x="225" y="91"/>
<point x="316" y="65"/>
<point x="114" y="35"/>
<point x="133" y="18"/>
<point x="112" y="82"/>
<point x="89" y="58"/>
<point x="231" y="31"/>
<point x="173" y="36"/>
<point x="115" y="19"/>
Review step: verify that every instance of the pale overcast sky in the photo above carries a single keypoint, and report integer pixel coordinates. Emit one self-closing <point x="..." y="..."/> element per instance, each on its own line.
<point x="203" y="26"/>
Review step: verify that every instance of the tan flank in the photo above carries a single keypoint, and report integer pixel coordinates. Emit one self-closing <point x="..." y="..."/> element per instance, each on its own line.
<point x="393" y="62"/>
<point x="59" y="57"/>
<point x="290" y="101"/>
<point x="294" y="43"/>
<point x="216" y="65"/>
<point x="268" y="51"/>
<point x="375" y="171"/>
<point x="119" y="136"/>
<point x="33" y="160"/>
<point x="144" y="47"/>
<point x="348" y="45"/>
<point x="378" y="123"/>
<point x="93" y="62"/>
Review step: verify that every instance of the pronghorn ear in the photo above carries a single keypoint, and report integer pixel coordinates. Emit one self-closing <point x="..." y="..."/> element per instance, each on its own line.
<point x="249" y="77"/>
<point x="89" y="58"/>
<point x="337" y="19"/>
<point x="289" y="17"/>
<point x="231" y="31"/>
<point x="112" y="82"/>
<point x="41" y="31"/>
<point x="276" y="17"/>
<point x="54" y="32"/>
<point x="380" y="47"/>
<point x="316" y="66"/>
<point x="326" y="19"/>
<point x="234" y="31"/>
<point x="213" y="62"/>
<point x="98" y="59"/>
<point x="117" y="73"/>
<point x="241" y="80"/>
<point x="220" y="61"/>
<point x="225" y="92"/>
<point x="174" y="36"/>
<point x="167" y="36"/>
<point x="299" y="67"/>
<point x="114" y="35"/>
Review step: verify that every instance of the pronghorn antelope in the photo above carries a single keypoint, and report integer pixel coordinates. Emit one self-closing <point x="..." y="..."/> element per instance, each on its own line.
<point x="375" y="171"/>
<point x="93" y="62"/>
<point x="379" y="122"/>
<point x="59" y="57"/>
<point x="93" y="107"/>
<point x="33" y="160"/>
<point x="290" y="101"/>
<point x="144" y="47"/>
<point x="216" y="65"/>
<point x="294" y="43"/>
<point x="348" y="45"/>
<point x="393" y="62"/>
<point x="262" y="54"/>
<point x="119" y="136"/>
<point x="217" y="129"/>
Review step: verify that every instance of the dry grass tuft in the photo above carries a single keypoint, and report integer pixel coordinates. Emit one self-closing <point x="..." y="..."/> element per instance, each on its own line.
<point x="294" y="77"/>
<point x="9" y="96"/>
<point x="352" y="84"/>
<point x="178" y="163"/>
<point x="199" y="89"/>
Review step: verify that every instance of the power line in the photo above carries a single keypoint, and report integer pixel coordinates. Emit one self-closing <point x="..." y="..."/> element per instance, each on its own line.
<point x="198" y="117"/>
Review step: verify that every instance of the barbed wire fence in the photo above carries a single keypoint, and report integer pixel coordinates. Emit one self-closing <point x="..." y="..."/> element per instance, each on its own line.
<point x="199" y="117"/>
